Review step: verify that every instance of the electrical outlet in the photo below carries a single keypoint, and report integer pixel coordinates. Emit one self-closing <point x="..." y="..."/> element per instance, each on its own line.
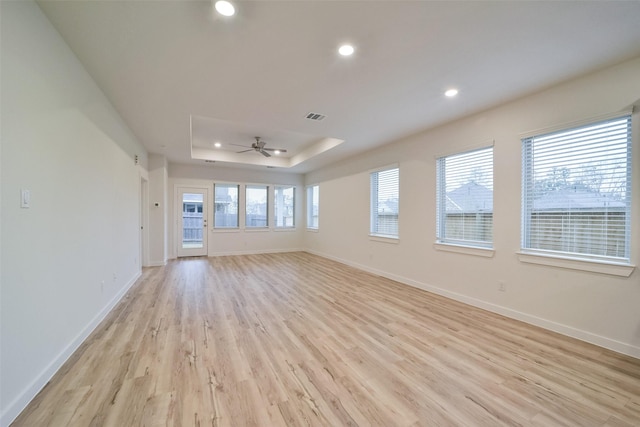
<point x="102" y="287"/>
<point x="502" y="286"/>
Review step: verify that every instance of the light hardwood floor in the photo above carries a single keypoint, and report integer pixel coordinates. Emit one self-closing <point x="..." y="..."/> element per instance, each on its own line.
<point x="295" y="339"/>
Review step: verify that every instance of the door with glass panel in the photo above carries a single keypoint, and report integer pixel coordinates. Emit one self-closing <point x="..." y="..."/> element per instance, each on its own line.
<point x="192" y="221"/>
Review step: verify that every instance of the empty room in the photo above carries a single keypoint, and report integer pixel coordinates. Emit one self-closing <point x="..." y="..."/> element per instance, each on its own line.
<point x="319" y="213"/>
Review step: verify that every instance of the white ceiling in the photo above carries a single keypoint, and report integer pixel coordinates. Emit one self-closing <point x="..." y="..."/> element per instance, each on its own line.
<point x="166" y="64"/>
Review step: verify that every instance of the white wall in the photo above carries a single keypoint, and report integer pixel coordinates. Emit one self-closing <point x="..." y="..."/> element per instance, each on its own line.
<point x="599" y="308"/>
<point x="68" y="258"/>
<point x="158" y="209"/>
<point x="241" y="240"/>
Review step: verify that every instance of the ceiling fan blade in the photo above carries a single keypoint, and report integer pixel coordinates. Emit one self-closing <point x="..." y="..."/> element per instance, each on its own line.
<point x="244" y="151"/>
<point x="282" y="150"/>
<point x="264" y="153"/>
<point x="238" y="145"/>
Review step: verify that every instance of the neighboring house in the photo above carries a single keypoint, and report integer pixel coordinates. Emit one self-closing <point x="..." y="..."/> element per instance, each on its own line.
<point x="469" y="206"/>
<point x="558" y="216"/>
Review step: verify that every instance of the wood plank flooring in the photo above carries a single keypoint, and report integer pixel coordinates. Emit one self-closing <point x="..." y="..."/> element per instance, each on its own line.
<point x="297" y="340"/>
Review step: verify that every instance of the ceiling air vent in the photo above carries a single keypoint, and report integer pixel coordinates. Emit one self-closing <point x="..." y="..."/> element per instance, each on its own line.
<point x="316" y="116"/>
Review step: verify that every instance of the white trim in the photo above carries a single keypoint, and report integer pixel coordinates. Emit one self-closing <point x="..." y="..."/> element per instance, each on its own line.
<point x="466" y="149"/>
<point x="575" y="123"/>
<point x="384" y="239"/>
<point x="279" y="229"/>
<point x="21" y="401"/>
<point x="593" y="266"/>
<point x="467" y="250"/>
<point x="312" y="229"/>
<point x="225" y="230"/>
<point x="256" y="229"/>
<point x="156" y="264"/>
<point x="608" y="343"/>
<point x="254" y="252"/>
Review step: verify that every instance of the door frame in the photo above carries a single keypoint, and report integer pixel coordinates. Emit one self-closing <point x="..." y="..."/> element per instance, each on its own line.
<point x="179" y="190"/>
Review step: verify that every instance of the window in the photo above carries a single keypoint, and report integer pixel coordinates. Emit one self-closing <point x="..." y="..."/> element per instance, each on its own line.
<point x="576" y="191"/>
<point x="465" y="198"/>
<point x="313" y="200"/>
<point x="285" y="207"/>
<point x="256" y="206"/>
<point x="385" y="196"/>
<point x="226" y="206"/>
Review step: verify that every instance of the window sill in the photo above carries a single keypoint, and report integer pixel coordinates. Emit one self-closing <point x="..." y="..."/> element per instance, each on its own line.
<point x="225" y="230"/>
<point x="256" y="229"/>
<point x="467" y="250"/>
<point x="312" y="230"/>
<point x="602" y="267"/>
<point x="384" y="239"/>
<point x="284" y="229"/>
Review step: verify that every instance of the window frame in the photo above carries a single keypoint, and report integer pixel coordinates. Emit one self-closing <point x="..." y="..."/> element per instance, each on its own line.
<point x="275" y="207"/>
<point x="443" y="242"/>
<point x="374" y="223"/>
<point x="215" y="211"/>
<point x="620" y="266"/>
<point x="264" y="187"/>
<point x="311" y="189"/>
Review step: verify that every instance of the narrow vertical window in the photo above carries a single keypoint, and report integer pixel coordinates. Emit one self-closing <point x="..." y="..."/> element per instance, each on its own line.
<point x="385" y="200"/>
<point x="256" y="206"/>
<point x="313" y="204"/>
<point x="576" y="191"/>
<point x="284" y="206"/>
<point x="465" y="198"/>
<point x="226" y="206"/>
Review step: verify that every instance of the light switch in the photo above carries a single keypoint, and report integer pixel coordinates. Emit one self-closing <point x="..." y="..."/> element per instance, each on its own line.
<point x="25" y="198"/>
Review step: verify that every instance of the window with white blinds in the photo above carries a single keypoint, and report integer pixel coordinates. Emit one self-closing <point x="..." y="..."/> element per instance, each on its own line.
<point x="464" y="202"/>
<point x="285" y="206"/>
<point x="385" y="197"/>
<point x="576" y="191"/>
<point x="313" y="204"/>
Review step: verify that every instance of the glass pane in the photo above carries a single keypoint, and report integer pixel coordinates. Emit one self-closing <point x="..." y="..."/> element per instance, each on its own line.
<point x="192" y="221"/>
<point x="256" y="206"/>
<point x="285" y="204"/>
<point x="226" y="206"/>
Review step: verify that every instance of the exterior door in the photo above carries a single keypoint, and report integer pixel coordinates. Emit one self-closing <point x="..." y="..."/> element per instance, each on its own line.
<point x="192" y="221"/>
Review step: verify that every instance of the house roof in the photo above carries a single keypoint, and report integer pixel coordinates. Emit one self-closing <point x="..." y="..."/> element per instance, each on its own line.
<point x="476" y="198"/>
<point x="470" y="198"/>
<point x="575" y="199"/>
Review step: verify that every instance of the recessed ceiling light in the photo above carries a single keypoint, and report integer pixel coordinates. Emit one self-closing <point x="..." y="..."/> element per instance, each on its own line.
<point x="346" y="50"/>
<point x="276" y="152"/>
<point x="217" y="145"/>
<point x="451" y="93"/>
<point x="225" y="8"/>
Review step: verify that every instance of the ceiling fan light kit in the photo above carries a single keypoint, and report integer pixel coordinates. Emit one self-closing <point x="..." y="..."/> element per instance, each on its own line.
<point x="259" y="146"/>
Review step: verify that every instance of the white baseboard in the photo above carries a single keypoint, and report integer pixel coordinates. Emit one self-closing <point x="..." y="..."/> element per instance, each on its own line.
<point x="608" y="343"/>
<point x="254" y="252"/>
<point x="156" y="264"/>
<point x="22" y="400"/>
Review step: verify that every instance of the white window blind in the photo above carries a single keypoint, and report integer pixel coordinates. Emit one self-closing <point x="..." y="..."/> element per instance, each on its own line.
<point x="576" y="191"/>
<point x="285" y="206"/>
<point x="385" y="197"/>
<point x="464" y="194"/>
<point x="226" y="206"/>
<point x="313" y="204"/>
<point x="256" y="206"/>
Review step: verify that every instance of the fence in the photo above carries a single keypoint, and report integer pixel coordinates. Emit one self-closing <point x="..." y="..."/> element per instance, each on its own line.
<point x="192" y="227"/>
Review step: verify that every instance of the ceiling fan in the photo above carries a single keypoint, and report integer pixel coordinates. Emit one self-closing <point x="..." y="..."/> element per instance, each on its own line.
<point x="259" y="146"/>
